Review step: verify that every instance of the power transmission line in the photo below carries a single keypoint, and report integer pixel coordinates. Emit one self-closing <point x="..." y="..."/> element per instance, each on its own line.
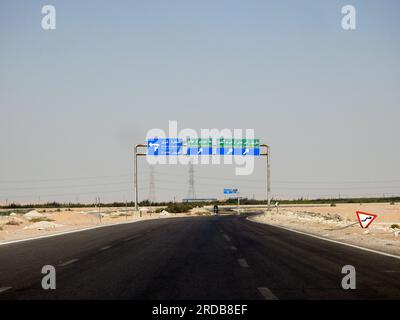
<point x="63" y="179"/>
<point x="152" y="189"/>
<point x="191" y="191"/>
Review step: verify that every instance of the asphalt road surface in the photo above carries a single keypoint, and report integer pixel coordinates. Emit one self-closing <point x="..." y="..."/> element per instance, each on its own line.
<point x="217" y="257"/>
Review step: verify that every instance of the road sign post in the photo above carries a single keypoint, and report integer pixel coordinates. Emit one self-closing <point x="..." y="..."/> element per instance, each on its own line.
<point x="135" y="176"/>
<point x="135" y="169"/>
<point x="269" y="177"/>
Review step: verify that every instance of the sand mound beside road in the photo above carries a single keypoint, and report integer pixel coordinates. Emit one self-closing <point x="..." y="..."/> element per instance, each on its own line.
<point x="33" y="214"/>
<point x="199" y="211"/>
<point x="164" y="213"/>
<point x="44" y="225"/>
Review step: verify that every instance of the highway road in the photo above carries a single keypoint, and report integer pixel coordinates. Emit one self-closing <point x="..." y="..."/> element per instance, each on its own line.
<point x="217" y="257"/>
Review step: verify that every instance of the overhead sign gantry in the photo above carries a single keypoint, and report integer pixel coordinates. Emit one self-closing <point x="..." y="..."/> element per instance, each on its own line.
<point x="203" y="146"/>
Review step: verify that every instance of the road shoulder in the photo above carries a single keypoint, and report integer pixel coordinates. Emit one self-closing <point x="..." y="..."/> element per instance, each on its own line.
<point x="364" y="241"/>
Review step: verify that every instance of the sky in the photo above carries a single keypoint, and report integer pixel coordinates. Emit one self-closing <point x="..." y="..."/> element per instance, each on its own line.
<point x="75" y="100"/>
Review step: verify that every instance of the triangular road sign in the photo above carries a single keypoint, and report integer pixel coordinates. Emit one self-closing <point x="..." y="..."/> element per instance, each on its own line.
<point x="365" y="219"/>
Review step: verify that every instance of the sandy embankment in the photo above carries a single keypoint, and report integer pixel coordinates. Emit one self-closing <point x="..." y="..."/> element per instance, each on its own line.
<point x="340" y="223"/>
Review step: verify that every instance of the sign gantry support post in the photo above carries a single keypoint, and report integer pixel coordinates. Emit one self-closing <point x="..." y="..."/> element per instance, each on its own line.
<point x="269" y="178"/>
<point x="135" y="174"/>
<point x="268" y="155"/>
<point x="135" y="178"/>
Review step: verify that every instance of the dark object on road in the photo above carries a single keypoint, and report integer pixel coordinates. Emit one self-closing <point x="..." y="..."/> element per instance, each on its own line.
<point x="216" y="209"/>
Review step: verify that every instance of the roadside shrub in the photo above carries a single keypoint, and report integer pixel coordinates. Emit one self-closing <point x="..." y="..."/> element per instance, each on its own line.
<point x="392" y="203"/>
<point x="41" y="219"/>
<point x="337" y="217"/>
<point x="178" y="207"/>
<point x="395" y="226"/>
<point x="333" y="204"/>
<point x="13" y="223"/>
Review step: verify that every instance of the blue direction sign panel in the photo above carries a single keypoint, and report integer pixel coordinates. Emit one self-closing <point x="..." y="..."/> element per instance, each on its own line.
<point x="230" y="191"/>
<point x="242" y="147"/>
<point x="164" y="146"/>
<point x="199" y="146"/>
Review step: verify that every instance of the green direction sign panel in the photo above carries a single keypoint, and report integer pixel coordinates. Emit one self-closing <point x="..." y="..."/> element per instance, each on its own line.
<point x="239" y="147"/>
<point x="199" y="146"/>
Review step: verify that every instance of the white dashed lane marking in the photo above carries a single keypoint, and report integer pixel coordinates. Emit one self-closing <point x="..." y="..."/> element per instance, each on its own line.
<point x="227" y="238"/>
<point x="267" y="294"/>
<point x="137" y="236"/>
<point x="68" y="262"/>
<point x="243" y="263"/>
<point x="2" y="289"/>
<point x="105" y="248"/>
<point x="233" y="248"/>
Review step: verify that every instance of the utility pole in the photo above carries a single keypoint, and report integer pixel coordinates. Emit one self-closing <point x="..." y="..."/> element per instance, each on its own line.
<point x="126" y="209"/>
<point x="98" y="201"/>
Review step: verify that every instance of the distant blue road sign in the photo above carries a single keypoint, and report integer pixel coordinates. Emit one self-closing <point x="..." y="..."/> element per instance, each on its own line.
<point x="164" y="146"/>
<point x="230" y="191"/>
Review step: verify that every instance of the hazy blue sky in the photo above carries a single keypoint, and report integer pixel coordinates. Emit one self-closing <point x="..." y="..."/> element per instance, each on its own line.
<point x="74" y="100"/>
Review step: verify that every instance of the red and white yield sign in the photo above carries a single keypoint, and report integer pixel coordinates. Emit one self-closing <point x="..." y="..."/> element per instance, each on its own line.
<point x="365" y="219"/>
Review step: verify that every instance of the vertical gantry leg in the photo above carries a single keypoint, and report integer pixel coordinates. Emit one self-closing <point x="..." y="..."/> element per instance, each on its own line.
<point x="269" y="178"/>
<point x="135" y="176"/>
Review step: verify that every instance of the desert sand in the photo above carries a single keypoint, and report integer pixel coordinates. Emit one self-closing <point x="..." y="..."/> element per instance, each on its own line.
<point x="340" y="223"/>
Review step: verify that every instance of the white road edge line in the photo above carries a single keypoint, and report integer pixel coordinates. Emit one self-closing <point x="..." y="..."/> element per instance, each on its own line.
<point x="105" y="248"/>
<point x="243" y="263"/>
<point x="68" y="262"/>
<point x="74" y="231"/>
<point x="2" y="289"/>
<point x="331" y="240"/>
<point x="227" y="237"/>
<point x="267" y="294"/>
